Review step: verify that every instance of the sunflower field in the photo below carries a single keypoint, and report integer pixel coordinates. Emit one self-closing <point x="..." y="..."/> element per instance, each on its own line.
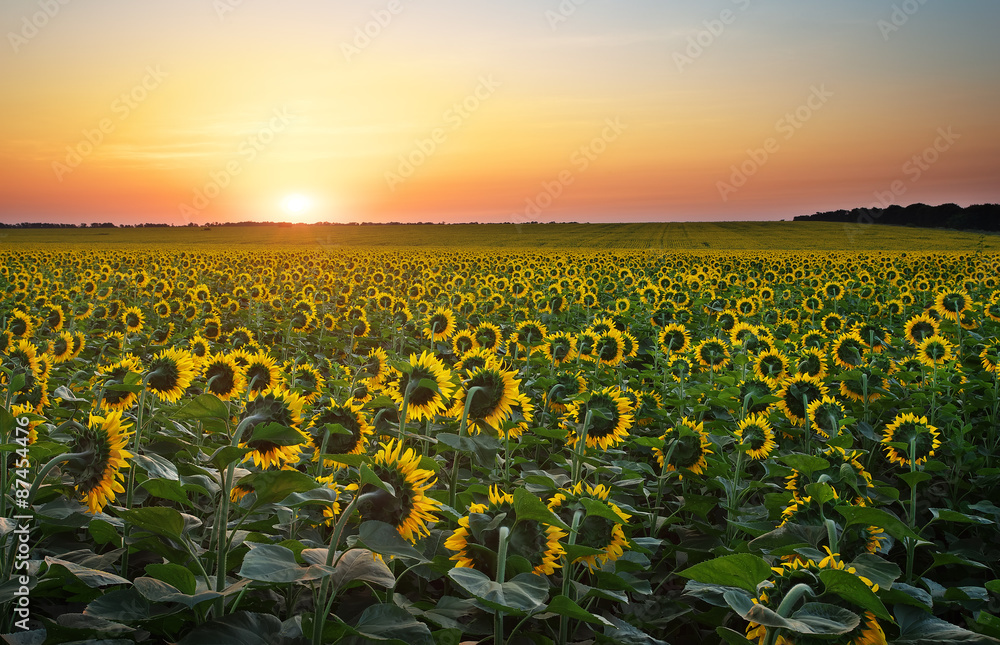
<point x="443" y="446"/>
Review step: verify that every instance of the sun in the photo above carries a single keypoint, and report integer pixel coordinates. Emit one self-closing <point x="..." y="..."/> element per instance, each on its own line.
<point x="296" y="204"/>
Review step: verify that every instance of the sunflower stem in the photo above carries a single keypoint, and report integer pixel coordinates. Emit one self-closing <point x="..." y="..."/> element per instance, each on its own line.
<point x="785" y="608"/>
<point x="568" y="574"/>
<point x="504" y="532"/>
<point x="580" y="449"/>
<point x="453" y="485"/>
<point x="319" y="620"/>
<point x="130" y="486"/>
<point x="660" y="482"/>
<point x="911" y="544"/>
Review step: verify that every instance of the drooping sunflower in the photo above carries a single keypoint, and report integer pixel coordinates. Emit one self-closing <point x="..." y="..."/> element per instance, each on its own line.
<point x="492" y="403"/>
<point x="410" y="509"/>
<point x="20" y="324"/>
<point x="223" y="376"/>
<point x="305" y="380"/>
<point x="990" y="357"/>
<point x="756" y="435"/>
<point x="463" y="342"/>
<point x="610" y="348"/>
<point x="754" y="392"/>
<point x="376" y="368"/>
<point x="170" y="373"/>
<point x="848" y="350"/>
<point x="423" y="402"/>
<point x="488" y="336"/>
<point x="274" y="405"/>
<point x="610" y="418"/>
<point x="907" y="427"/>
<point x="685" y="447"/>
<point x="353" y="440"/>
<point x="98" y="478"/>
<point x="674" y="338"/>
<point x="772" y="365"/>
<point x="952" y="303"/>
<point x="476" y="541"/>
<point x="61" y="348"/>
<point x="796" y="394"/>
<point x="567" y="385"/>
<point x="594" y="531"/>
<point x="812" y="361"/>
<point x="529" y="335"/>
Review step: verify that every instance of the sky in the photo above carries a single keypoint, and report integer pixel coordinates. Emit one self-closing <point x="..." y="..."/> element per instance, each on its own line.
<point x="196" y="111"/>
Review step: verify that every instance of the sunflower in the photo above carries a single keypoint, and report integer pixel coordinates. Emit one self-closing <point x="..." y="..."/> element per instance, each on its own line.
<point x="826" y="416"/>
<point x="224" y="377"/>
<point x="907" y="428"/>
<point x="488" y="336"/>
<point x="586" y="341"/>
<point x="685" y="446"/>
<point x="423" y="402"/>
<point x="934" y="351"/>
<point x="410" y="509"/>
<point x="848" y="350"/>
<point x="754" y="392"/>
<point x="463" y="342"/>
<point x="567" y="385"/>
<point x="756" y="436"/>
<point x="812" y="361"/>
<point x="952" y="303"/>
<point x="20" y="324"/>
<point x="712" y="354"/>
<point x="476" y="541"/>
<point x="990" y="356"/>
<point x="133" y="320"/>
<point x="440" y="325"/>
<point x="832" y="323"/>
<point x="610" y="419"/>
<point x="674" y="338"/>
<point x="796" y="394"/>
<point x="261" y="373"/>
<point x="114" y="375"/>
<point x="559" y="348"/>
<point x="274" y="405"/>
<point x="170" y="373"/>
<point x="353" y="440"/>
<point x="772" y="365"/>
<point x="648" y="403"/>
<point x="491" y="405"/>
<point x="529" y="335"/>
<point x="305" y="380"/>
<point x="610" y="348"/>
<point x="61" y="348"/>
<point x="99" y="477"/>
<point x="594" y="531"/>
<point x="375" y="370"/>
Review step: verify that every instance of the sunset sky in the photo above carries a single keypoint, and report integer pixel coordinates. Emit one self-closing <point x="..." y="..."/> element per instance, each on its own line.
<point x="465" y="110"/>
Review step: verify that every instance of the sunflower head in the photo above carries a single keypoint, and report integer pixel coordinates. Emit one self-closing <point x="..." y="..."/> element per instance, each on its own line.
<point x="97" y="478"/>
<point x="274" y="405"/>
<point x="920" y="439"/>
<point x="610" y="415"/>
<point x="594" y="531"/>
<point x="685" y="446"/>
<point x="494" y="392"/>
<point x="756" y="436"/>
<point x="170" y="373"/>
<point x="422" y="400"/>
<point x="224" y="377"/>
<point x="409" y="508"/>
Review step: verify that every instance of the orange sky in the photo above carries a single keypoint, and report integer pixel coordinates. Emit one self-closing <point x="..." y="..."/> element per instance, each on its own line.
<point x="198" y="111"/>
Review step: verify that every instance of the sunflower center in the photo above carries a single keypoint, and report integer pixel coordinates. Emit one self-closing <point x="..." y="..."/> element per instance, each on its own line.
<point x="164" y="376"/>
<point x="339" y="444"/>
<point x="486" y="400"/>
<point x="221" y="379"/>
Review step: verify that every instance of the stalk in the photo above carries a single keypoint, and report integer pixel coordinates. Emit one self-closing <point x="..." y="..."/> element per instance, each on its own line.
<point x="498" y="637"/>
<point x="453" y="487"/>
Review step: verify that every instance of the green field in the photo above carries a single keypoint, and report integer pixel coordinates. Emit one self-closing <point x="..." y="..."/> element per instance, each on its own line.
<point x="680" y="236"/>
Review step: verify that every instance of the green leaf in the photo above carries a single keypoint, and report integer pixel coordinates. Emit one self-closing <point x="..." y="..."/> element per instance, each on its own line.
<point x="386" y="540"/>
<point x="563" y="606"/>
<point x="64" y="393"/>
<point x="277" y="434"/>
<point x="240" y="627"/>
<point x="806" y="464"/>
<point x="175" y="575"/>
<point x="878" y="570"/>
<point x="167" y="489"/>
<point x="741" y="570"/>
<point x="203" y="406"/>
<point x="275" y="485"/>
<point x="731" y="637"/>
<point x="523" y="594"/>
<point x="360" y="564"/>
<point x="849" y="587"/>
<point x="789" y="537"/>
<point x="226" y="455"/>
<point x="915" y="477"/>
<point x="368" y="477"/>
<point x="160" y="592"/>
<point x="388" y="623"/>
<point x="156" y="519"/>
<point x="156" y="466"/>
<point x="274" y="563"/>
<point x="93" y="578"/>
<point x="867" y="516"/>
<point x="600" y="509"/>
<point x="825" y="619"/>
<point x="529" y="507"/>
<point x="104" y="532"/>
<point x="947" y="515"/>
<point x="821" y="492"/>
